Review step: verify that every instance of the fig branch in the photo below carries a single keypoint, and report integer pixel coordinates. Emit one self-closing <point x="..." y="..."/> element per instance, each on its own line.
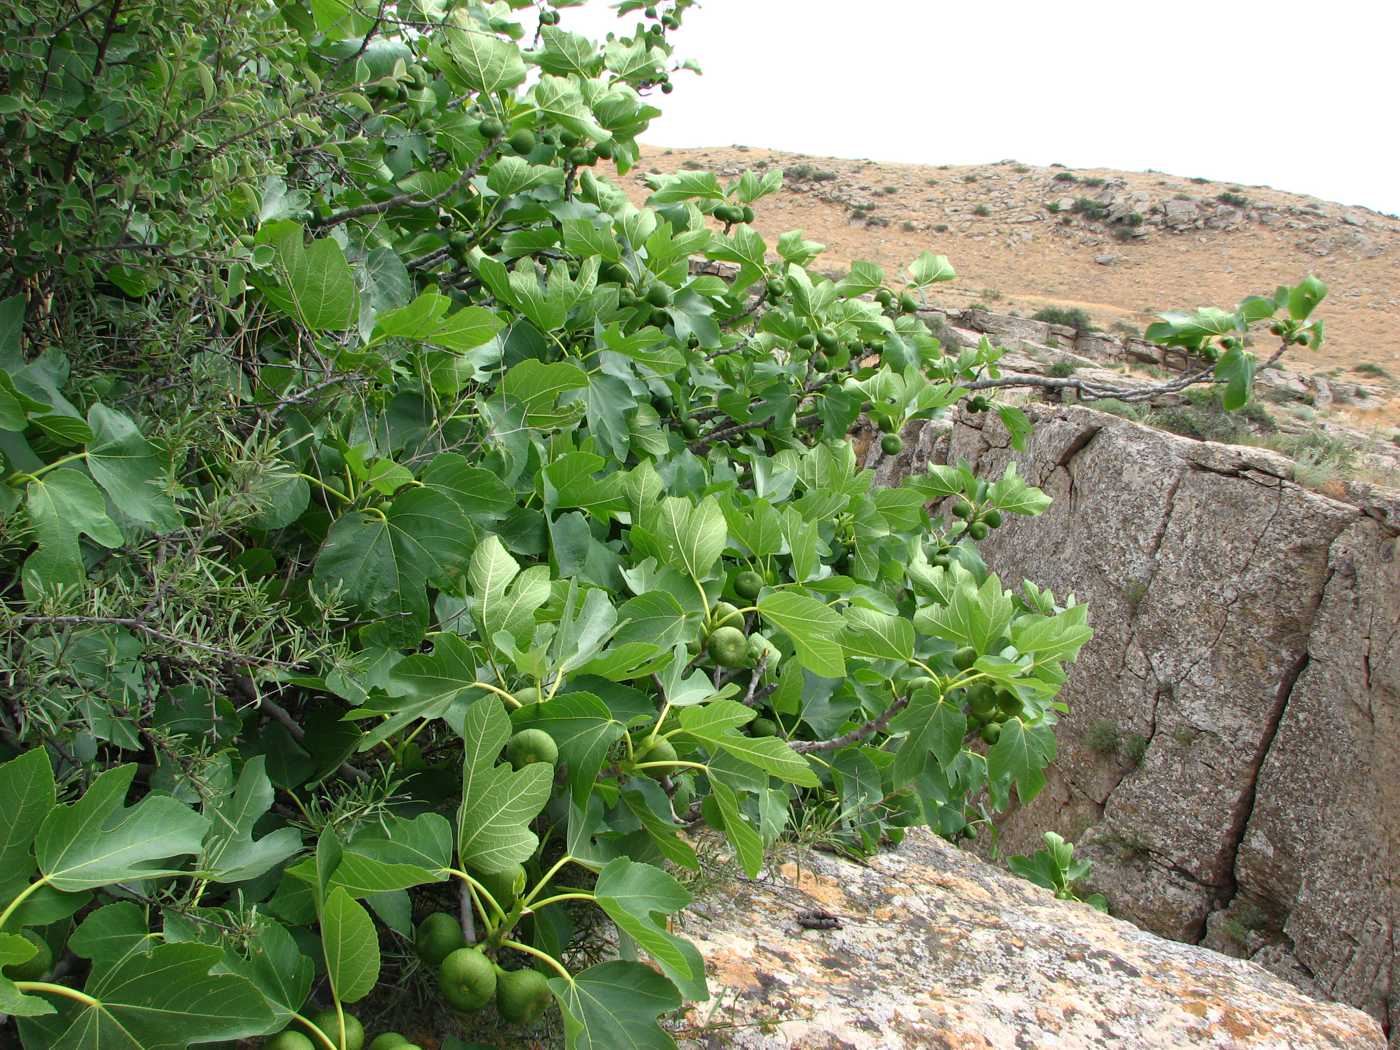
<point x="860" y="732"/>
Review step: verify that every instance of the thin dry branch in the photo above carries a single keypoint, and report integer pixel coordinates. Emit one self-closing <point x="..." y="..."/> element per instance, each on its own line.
<point x="860" y="732"/>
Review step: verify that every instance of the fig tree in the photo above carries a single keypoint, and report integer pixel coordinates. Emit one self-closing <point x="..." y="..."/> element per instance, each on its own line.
<point x="522" y="996"/>
<point x="389" y="1041"/>
<point x="504" y="886"/>
<point x="748" y="584"/>
<point x="760" y="648"/>
<point x="467" y="979"/>
<point x="1010" y="705"/>
<point x="983" y="704"/>
<point x="437" y="937"/>
<point x="661" y="751"/>
<point x="36" y="965"/>
<point x="329" y="1023"/>
<point x="728" y="646"/>
<point x="532" y="745"/>
<point x="725" y="614"/>
<point x="289" y="1039"/>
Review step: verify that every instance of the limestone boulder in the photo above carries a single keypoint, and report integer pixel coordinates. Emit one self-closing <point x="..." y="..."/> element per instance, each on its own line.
<point x="1099" y="346"/>
<point x="927" y="946"/>
<point x="1277" y="384"/>
<point x="1180" y="215"/>
<point x="1230" y="763"/>
<point x="1003" y="327"/>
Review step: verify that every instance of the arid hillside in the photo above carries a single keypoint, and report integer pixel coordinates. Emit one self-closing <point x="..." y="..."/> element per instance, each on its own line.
<point x="1118" y="245"/>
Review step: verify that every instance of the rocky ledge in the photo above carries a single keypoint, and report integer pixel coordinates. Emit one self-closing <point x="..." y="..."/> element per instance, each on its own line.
<point x="931" y="947"/>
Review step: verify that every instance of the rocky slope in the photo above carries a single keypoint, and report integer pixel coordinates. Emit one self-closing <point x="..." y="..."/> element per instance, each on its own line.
<point x="1197" y="243"/>
<point x="928" y="947"/>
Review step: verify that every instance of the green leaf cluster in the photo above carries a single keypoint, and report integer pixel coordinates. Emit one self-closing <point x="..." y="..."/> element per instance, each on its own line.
<point x="401" y="525"/>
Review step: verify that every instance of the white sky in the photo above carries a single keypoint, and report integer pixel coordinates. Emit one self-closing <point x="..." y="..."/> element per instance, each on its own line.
<point x="1303" y="97"/>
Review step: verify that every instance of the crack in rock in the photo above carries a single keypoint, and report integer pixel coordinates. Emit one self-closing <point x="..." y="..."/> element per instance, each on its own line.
<point x="1244" y="810"/>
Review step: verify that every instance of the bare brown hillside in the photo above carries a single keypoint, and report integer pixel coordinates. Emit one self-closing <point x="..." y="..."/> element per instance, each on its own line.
<point x="1139" y="243"/>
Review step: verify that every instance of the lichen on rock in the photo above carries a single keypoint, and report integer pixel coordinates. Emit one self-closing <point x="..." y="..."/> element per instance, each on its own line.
<point x="939" y="949"/>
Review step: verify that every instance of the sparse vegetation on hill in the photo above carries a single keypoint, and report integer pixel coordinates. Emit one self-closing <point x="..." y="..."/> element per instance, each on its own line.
<point x="1073" y="317"/>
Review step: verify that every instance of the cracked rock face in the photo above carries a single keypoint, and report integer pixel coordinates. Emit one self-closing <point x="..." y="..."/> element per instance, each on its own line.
<point x="1232" y="760"/>
<point x="937" y="949"/>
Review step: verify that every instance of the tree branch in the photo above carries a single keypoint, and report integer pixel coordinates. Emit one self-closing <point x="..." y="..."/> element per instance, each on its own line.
<point x="108" y="30"/>
<point x="281" y="715"/>
<point x="1096" y="391"/>
<point x="860" y="732"/>
<point x="806" y="419"/>
<point x="408" y="199"/>
<point x="136" y="624"/>
<point x="466" y="916"/>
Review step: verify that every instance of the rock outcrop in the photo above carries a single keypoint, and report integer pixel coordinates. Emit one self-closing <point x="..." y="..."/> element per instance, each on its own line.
<point x="934" y="948"/>
<point x="1230" y="763"/>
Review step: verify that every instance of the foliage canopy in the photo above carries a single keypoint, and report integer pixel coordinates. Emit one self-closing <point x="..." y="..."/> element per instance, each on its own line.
<point x="355" y="429"/>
